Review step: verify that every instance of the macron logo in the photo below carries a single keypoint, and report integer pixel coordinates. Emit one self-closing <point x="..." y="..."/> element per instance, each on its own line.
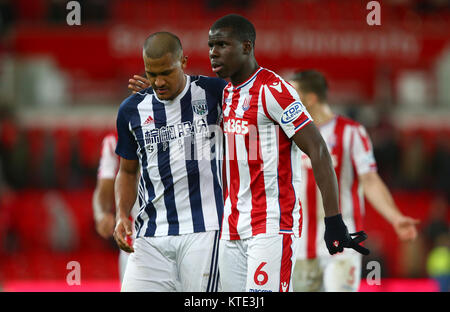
<point x="148" y="121"/>
<point x="277" y="86"/>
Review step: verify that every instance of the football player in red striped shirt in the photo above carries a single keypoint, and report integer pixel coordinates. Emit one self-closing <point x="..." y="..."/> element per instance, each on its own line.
<point x="353" y="160"/>
<point x="265" y="127"/>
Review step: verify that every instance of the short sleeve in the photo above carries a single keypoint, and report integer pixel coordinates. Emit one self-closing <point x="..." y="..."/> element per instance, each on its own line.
<point x="109" y="162"/>
<point x="126" y="143"/>
<point x="282" y="104"/>
<point x="362" y="151"/>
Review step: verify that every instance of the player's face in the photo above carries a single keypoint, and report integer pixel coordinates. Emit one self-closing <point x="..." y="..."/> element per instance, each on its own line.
<point x="166" y="75"/>
<point x="226" y="53"/>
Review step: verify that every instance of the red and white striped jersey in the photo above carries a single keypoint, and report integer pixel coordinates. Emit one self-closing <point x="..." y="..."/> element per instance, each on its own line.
<point x="109" y="161"/>
<point x="262" y="164"/>
<point x="352" y="155"/>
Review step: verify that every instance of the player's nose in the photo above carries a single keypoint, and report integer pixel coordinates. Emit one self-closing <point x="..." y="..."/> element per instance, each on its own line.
<point x="159" y="82"/>
<point x="213" y="53"/>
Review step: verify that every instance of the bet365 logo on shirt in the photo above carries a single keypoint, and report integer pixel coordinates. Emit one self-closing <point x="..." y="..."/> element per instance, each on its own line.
<point x="236" y="126"/>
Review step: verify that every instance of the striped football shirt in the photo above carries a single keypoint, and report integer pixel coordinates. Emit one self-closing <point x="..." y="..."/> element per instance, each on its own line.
<point x="262" y="163"/>
<point x="176" y="144"/>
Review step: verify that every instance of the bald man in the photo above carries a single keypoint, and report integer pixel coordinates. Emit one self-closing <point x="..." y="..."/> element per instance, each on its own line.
<point x="168" y="132"/>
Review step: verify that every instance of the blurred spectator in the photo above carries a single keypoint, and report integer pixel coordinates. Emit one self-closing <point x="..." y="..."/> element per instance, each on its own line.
<point x="62" y="233"/>
<point x="14" y="154"/>
<point x="7" y="16"/>
<point x="47" y="164"/>
<point x="413" y="164"/>
<point x="437" y="224"/>
<point x="440" y="166"/>
<point x="386" y="149"/>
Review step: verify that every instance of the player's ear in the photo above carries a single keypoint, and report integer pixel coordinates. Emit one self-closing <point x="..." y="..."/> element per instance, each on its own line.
<point x="312" y="98"/>
<point x="247" y="47"/>
<point x="184" y="61"/>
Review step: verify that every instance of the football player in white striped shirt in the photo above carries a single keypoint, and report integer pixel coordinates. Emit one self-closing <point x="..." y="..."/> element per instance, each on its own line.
<point x="351" y="151"/>
<point x="265" y="126"/>
<point x="103" y="197"/>
<point x="169" y="130"/>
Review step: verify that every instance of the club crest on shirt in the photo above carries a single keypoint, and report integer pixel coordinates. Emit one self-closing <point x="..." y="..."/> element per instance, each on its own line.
<point x="200" y="107"/>
<point x="246" y="104"/>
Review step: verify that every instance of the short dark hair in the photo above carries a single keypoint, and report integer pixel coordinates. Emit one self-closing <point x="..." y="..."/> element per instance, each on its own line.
<point x="312" y="81"/>
<point x="158" y="44"/>
<point x="242" y="28"/>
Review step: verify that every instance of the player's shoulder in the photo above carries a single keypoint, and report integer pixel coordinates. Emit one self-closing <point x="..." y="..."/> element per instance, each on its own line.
<point x="134" y="99"/>
<point x="350" y="122"/>
<point x="269" y="77"/>
<point x="206" y="82"/>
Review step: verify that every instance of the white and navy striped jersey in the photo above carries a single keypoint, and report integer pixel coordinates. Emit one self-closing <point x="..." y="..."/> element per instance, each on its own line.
<point x="176" y="143"/>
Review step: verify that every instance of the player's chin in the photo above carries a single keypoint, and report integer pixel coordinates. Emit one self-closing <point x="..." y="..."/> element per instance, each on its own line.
<point x="165" y="96"/>
<point x="221" y="73"/>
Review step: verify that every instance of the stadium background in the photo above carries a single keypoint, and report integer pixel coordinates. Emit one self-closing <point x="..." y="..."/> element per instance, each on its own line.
<point x="61" y="85"/>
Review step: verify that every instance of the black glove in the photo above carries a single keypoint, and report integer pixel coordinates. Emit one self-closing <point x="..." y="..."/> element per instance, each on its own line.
<point x="337" y="237"/>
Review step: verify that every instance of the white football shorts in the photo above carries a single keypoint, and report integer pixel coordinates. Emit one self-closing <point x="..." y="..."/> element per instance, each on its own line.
<point x="338" y="273"/>
<point x="186" y="263"/>
<point x="263" y="263"/>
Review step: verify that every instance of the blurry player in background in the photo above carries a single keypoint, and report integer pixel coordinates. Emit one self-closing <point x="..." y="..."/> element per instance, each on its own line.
<point x="351" y="151"/>
<point x="103" y="198"/>
<point x="265" y="125"/>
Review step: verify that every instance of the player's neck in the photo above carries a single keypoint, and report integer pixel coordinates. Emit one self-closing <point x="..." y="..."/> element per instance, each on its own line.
<point x="321" y="113"/>
<point x="247" y="70"/>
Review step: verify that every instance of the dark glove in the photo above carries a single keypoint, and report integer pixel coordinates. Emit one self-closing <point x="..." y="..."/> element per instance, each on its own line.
<point x="337" y="237"/>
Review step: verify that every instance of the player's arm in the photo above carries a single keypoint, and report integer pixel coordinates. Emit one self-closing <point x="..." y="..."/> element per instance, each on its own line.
<point x="125" y="189"/>
<point x="138" y="83"/>
<point x="285" y="108"/>
<point x="311" y="142"/>
<point x="381" y="199"/>
<point x="103" y="203"/>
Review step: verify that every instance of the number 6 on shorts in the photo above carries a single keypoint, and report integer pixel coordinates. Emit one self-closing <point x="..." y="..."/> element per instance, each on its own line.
<point x="260" y="277"/>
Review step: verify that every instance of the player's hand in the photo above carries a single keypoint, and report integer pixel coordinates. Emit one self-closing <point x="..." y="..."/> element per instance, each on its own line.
<point x="337" y="237"/>
<point x="405" y="227"/>
<point x="105" y="226"/>
<point x="121" y="232"/>
<point x="138" y="83"/>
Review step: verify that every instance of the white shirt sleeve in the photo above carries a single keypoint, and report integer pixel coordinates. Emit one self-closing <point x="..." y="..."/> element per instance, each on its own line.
<point x="362" y="151"/>
<point x="109" y="161"/>
<point x="282" y="104"/>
